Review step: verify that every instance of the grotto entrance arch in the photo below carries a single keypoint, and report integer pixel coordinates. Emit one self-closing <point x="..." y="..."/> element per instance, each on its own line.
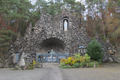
<point x="54" y="44"/>
<point x="51" y="50"/>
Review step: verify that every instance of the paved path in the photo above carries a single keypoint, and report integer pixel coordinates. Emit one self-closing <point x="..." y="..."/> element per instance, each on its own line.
<point x="52" y="72"/>
<point x="91" y="74"/>
<point x="106" y="72"/>
<point x="48" y="72"/>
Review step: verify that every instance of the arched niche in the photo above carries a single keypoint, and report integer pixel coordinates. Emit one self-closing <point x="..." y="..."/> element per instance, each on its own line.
<point x="52" y="43"/>
<point x="65" y="22"/>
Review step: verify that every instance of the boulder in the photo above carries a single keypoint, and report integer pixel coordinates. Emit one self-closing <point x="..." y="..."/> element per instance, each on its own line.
<point x="1" y="65"/>
<point x="110" y="59"/>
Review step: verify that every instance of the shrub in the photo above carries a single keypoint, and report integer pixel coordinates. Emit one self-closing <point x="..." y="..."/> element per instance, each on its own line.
<point x="91" y="64"/>
<point x="73" y="61"/>
<point x="62" y="64"/>
<point x="76" y="65"/>
<point x="77" y="56"/>
<point x="68" y="60"/>
<point x="96" y="63"/>
<point x="66" y="67"/>
<point x="30" y="66"/>
<point x="62" y="60"/>
<point x="93" y="60"/>
<point x="87" y="58"/>
<point x="70" y="67"/>
<point x="34" y="62"/>
<point x="100" y="61"/>
<point x="94" y="50"/>
<point x="82" y="60"/>
<point x="82" y="64"/>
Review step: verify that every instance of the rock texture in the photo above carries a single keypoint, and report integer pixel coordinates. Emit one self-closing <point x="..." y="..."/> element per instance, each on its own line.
<point x="110" y="51"/>
<point x="48" y="34"/>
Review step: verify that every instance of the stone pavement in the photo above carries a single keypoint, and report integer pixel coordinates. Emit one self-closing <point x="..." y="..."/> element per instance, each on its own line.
<point x="51" y="71"/>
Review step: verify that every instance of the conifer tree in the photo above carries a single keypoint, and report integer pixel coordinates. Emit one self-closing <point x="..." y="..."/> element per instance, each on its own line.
<point x="6" y="37"/>
<point x="94" y="50"/>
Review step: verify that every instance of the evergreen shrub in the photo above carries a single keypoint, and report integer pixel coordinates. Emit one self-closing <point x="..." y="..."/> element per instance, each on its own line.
<point x="96" y="63"/>
<point x="94" y="50"/>
<point x="82" y="64"/>
<point x="76" y="65"/>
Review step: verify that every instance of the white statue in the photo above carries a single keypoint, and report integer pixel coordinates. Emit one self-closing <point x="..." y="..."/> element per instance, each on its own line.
<point x="51" y="49"/>
<point x="65" y="25"/>
<point x="22" y="61"/>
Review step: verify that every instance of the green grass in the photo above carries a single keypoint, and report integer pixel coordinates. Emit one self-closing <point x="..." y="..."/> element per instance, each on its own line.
<point x="64" y="67"/>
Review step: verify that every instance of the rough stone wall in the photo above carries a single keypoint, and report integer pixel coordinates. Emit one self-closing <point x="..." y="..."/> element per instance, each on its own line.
<point x="48" y="33"/>
<point x="110" y="52"/>
<point x="47" y="28"/>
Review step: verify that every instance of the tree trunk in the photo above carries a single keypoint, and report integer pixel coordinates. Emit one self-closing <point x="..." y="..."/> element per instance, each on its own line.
<point x="102" y="21"/>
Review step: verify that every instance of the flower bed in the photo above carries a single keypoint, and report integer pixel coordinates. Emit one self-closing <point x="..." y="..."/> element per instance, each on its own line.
<point x="78" y="61"/>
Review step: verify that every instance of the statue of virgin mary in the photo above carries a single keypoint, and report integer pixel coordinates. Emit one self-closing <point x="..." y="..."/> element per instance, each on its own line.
<point x="65" y="25"/>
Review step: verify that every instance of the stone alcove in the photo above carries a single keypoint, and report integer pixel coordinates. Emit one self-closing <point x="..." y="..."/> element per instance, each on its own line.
<point x="65" y="22"/>
<point x="52" y="44"/>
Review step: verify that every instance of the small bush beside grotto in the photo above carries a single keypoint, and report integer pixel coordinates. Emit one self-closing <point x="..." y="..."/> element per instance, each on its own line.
<point x="94" y="50"/>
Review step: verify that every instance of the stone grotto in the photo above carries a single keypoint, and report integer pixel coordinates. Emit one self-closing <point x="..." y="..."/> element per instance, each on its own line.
<point x="61" y="34"/>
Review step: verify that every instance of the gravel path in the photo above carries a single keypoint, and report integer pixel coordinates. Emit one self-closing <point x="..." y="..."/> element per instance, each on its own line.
<point x="52" y="72"/>
<point x="107" y="72"/>
<point x="48" y="72"/>
<point x="36" y="74"/>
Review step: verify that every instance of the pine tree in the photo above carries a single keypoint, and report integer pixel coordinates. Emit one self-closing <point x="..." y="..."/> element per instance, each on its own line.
<point x="94" y="50"/>
<point x="6" y="37"/>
